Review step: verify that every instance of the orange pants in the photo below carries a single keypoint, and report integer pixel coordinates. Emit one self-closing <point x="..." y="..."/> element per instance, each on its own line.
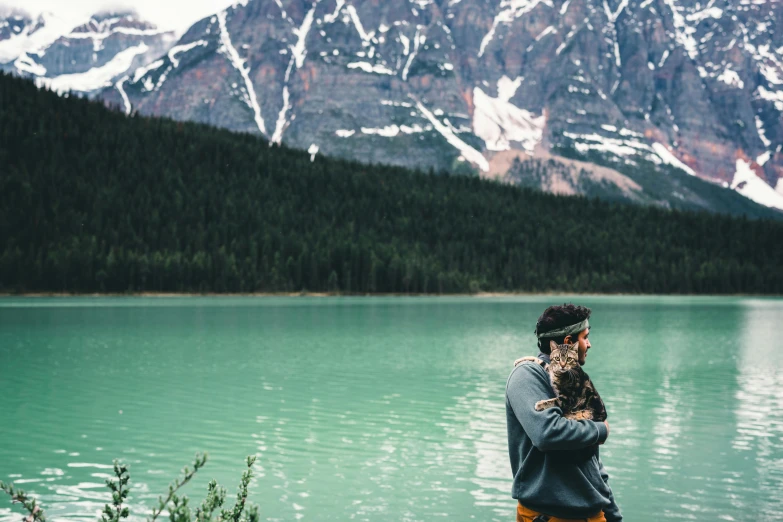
<point x="527" y="515"/>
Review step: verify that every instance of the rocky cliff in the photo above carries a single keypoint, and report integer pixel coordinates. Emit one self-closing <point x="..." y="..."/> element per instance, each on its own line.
<point x="454" y="84"/>
<point x="83" y="56"/>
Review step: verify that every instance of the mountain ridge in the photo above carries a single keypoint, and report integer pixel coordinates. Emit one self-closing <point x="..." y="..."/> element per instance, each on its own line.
<point x="455" y="84"/>
<point x="79" y="54"/>
<point x="435" y="83"/>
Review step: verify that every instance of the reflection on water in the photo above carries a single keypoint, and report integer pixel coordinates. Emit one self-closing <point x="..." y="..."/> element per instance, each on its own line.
<point x="379" y="409"/>
<point x="759" y="405"/>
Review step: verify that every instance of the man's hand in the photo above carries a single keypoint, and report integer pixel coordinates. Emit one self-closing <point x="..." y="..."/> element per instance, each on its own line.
<point x="607" y="431"/>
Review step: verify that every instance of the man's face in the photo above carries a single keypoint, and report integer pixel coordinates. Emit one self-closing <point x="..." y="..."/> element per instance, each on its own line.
<point x="584" y="344"/>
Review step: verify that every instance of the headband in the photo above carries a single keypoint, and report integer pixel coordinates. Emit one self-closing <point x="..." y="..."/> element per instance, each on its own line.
<point x="566" y="330"/>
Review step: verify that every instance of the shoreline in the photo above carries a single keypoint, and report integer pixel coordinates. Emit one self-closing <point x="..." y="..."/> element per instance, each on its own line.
<point x="340" y="294"/>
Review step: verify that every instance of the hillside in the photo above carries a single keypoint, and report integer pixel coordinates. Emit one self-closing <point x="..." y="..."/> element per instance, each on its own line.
<point x="452" y="84"/>
<point x="92" y="200"/>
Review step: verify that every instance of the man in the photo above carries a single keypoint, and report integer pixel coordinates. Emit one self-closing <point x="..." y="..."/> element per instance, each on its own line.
<point x="558" y="474"/>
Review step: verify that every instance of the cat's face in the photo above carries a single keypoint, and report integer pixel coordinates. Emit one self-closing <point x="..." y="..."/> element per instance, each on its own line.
<point x="564" y="357"/>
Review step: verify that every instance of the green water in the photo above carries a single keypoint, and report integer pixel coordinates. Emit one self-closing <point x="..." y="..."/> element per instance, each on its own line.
<point x="381" y="408"/>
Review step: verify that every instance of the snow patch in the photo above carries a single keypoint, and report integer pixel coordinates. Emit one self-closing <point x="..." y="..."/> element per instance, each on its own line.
<point x="46" y="30"/>
<point x="142" y="71"/>
<point x="762" y="159"/>
<point x="613" y="16"/>
<point x="418" y="39"/>
<point x="395" y="103"/>
<point x="344" y="133"/>
<point x="98" y="37"/>
<point x="97" y="77"/>
<point x="239" y="64"/>
<point x="629" y="132"/>
<point x="125" y="101"/>
<point x="330" y="18"/>
<point x="747" y="183"/>
<point x="277" y="137"/>
<point x="507" y="87"/>
<point x="762" y="133"/>
<point x="366" y="37"/>
<point x="731" y="78"/>
<point x="663" y="58"/>
<point x="499" y="122"/>
<point x="773" y="96"/>
<point x="509" y="10"/>
<point x="406" y="129"/>
<point x="600" y="143"/>
<point x="548" y="30"/>
<point x="370" y="68"/>
<point x="177" y="49"/>
<point x="670" y="159"/>
<point x="467" y="151"/>
<point x="406" y="44"/>
<point x="712" y="12"/>
<point x="389" y="131"/>
<point x="313" y="150"/>
<point x="682" y="31"/>
<point x="771" y="74"/>
<point x="300" y="50"/>
<point x="26" y="64"/>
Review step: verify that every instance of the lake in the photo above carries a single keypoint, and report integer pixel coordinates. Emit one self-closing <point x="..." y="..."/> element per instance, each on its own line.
<point x="381" y="408"/>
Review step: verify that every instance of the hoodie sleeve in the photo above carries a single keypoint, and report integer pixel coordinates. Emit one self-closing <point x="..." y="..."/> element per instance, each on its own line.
<point x="547" y="429"/>
<point x="611" y="512"/>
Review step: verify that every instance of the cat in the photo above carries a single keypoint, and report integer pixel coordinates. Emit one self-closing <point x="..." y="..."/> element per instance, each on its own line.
<point x="576" y="394"/>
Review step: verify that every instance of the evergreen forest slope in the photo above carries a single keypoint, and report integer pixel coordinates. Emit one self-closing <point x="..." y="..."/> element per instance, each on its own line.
<point x="94" y="201"/>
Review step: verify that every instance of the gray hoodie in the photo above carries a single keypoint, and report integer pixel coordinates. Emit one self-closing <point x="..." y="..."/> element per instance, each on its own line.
<point x="555" y="461"/>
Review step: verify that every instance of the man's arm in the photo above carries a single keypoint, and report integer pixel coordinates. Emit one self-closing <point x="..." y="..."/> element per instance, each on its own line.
<point x="612" y="512"/>
<point x="547" y="429"/>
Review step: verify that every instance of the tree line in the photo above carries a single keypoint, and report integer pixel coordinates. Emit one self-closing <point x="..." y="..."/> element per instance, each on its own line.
<point x="94" y="201"/>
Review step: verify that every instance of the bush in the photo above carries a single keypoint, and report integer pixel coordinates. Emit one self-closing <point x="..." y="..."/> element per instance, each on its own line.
<point x="177" y="507"/>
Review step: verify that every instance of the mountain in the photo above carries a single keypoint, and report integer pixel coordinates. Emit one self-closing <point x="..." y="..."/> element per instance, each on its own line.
<point x="92" y="200"/>
<point x="476" y="84"/>
<point x="67" y="54"/>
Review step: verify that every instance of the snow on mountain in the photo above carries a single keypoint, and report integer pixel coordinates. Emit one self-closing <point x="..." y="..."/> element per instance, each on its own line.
<point x="499" y="122"/>
<point x="97" y="77"/>
<point x="445" y="83"/>
<point x="32" y="36"/>
<point x="752" y="186"/>
<point x="71" y="54"/>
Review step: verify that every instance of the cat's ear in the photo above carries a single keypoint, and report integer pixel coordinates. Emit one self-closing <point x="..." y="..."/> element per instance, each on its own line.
<point x="552" y="345"/>
<point x="573" y="347"/>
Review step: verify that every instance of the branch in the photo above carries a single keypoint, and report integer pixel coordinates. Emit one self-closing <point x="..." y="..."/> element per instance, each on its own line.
<point x="118" y="494"/>
<point x="216" y="495"/>
<point x="198" y="463"/>
<point x="19" y="495"/>
<point x="235" y="513"/>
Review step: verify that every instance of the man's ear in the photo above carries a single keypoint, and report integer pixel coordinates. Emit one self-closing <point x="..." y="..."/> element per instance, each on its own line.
<point x="567" y="339"/>
<point x="552" y="345"/>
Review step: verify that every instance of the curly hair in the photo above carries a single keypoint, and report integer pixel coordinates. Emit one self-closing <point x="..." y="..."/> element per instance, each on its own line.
<point x="556" y="317"/>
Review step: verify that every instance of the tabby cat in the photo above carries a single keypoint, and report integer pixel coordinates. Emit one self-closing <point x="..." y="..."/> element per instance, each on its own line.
<point x="576" y="395"/>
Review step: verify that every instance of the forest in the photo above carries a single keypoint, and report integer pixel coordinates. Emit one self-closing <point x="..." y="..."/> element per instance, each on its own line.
<point x="93" y="201"/>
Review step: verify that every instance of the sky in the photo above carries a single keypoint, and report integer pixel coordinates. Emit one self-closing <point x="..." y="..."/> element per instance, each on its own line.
<point x="167" y="14"/>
